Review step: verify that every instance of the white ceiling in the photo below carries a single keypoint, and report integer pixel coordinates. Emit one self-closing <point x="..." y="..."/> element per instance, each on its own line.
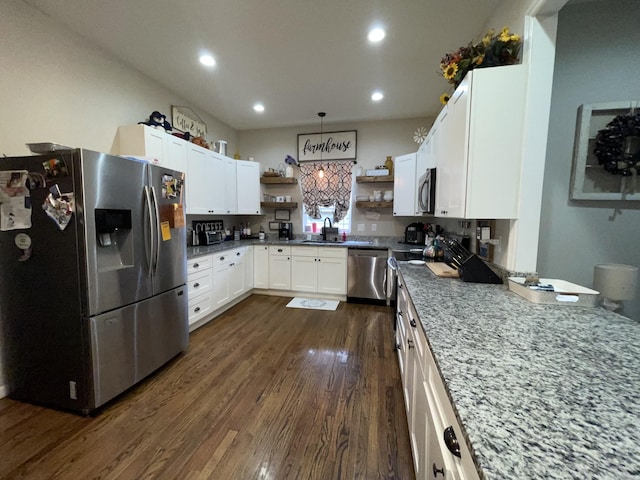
<point x="298" y="57"/>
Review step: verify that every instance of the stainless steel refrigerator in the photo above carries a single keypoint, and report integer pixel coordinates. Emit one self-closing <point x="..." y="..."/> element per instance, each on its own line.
<point x="92" y="285"/>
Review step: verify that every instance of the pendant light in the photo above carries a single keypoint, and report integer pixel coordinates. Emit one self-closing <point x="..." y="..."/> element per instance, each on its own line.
<point x="321" y="171"/>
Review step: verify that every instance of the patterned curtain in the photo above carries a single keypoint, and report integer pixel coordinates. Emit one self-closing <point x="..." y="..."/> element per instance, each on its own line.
<point x="334" y="189"/>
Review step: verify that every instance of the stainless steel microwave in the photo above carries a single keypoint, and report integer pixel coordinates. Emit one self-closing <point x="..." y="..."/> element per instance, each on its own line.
<point x="427" y="191"/>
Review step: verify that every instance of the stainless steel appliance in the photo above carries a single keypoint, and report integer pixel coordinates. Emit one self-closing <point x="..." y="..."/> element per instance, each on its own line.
<point x="93" y="302"/>
<point x="367" y="274"/>
<point x="285" y="231"/>
<point x="427" y="191"/>
<point x="209" y="238"/>
<point x="414" y="234"/>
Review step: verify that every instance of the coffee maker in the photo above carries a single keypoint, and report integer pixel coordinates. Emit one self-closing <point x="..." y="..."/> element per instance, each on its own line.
<point x="414" y="234"/>
<point x="285" y="231"/>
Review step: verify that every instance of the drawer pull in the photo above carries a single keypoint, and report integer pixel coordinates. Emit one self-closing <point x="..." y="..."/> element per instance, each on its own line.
<point x="451" y="441"/>
<point x="437" y="470"/>
<point x="237" y="254"/>
<point x="413" y="323"/>
<point x="280" y="250"/>
<point x="196" y="285"/>
<point x="398" y="346"/>
<point x="221" y="259"/>
<point x="410" y="343"/>
<point x="196" y="265"/>
<point x="196" y="310"/>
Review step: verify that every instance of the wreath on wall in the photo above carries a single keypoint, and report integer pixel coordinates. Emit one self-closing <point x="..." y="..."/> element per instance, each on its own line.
<point x="618" y="145"/>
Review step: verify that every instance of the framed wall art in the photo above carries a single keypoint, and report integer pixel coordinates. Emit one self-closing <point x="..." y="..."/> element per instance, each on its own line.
<point x="620" y="144"/>
<point x="327" y="146"/>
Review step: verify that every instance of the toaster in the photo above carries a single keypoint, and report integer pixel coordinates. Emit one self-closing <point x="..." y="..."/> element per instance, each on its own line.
<point x="209" y="238"/>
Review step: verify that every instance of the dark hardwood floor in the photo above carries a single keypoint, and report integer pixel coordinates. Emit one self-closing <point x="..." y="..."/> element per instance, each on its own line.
<point x="264" y="392"/>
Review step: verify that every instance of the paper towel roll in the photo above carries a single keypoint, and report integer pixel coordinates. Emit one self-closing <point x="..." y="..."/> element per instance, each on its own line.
<point x="615" y="281"/>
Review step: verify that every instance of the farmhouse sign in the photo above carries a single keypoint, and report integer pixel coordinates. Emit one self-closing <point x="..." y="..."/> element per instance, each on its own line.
<point x="327" y="146"/>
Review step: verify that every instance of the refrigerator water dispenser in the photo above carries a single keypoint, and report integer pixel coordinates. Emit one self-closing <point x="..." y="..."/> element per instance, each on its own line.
<point x="113" y="228"/>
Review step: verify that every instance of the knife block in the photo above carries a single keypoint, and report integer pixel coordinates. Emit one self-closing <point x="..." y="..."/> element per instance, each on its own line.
<point x="476" y="271"/>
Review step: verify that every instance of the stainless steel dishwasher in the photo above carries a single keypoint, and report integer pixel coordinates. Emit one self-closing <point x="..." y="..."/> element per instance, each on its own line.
<point x="367" y="274"/>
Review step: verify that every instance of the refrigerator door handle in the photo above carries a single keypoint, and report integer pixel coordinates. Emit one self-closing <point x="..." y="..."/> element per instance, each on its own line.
<point x="156" y="258"/>
<point x="150" y="244"/>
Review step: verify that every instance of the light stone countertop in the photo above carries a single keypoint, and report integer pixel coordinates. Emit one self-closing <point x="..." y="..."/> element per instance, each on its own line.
<point x="542" y="391"/>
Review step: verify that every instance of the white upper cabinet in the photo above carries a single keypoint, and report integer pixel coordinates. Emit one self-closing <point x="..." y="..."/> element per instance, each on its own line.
<point x="205" y="194"/>
<point x="479" y="145"/>
<point x="248" y="182"/>
<point x="156" y="145"/>
<point x="215" y="184"/>
<point x="231" y="185"/>
<point x="404" y="185"/>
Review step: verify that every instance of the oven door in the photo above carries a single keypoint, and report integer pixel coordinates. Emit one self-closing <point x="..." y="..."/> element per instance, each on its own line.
<point x="427" y="191"/>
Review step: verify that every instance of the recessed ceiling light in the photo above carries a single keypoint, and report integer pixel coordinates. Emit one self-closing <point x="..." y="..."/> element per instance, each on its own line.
<point x="377" y="96"/>
<point x="376" y="34"/>
<point x="207" y="60"/>
<point x="258" y="107"/>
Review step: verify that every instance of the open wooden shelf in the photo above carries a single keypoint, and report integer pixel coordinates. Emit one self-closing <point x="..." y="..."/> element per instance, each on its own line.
<point x="279" y="180"/>
<point x="374" y="204"/>
<point x="374" y="179"/>
<point x="279" y="204"/>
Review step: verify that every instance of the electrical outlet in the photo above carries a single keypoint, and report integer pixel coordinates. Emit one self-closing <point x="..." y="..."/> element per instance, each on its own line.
<point x="374" y="227"/>
<point x="361" y="227"/>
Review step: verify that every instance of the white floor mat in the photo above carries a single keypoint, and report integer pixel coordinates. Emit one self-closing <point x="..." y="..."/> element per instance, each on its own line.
<point x="313" y="303"/>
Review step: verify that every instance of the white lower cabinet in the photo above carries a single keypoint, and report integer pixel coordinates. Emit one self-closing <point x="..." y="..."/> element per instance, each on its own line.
<point x="432" y="423"/>
<point x="199" y="287"/>
<point x="228" y="276"/>
<point x="319" y="270"/>
<point x="261" y="266"/>
<point x="280" y="267"/>
<point x="248" y="268"/>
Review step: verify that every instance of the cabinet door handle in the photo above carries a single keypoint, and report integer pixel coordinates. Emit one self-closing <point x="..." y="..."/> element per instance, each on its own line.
<point x="196" y="285"/>
<point x="410" y="343"/>
<point x="231" y="264"/>
<point x="437" y="470"/>
<point x="451" y="441"/>
<point x="237" y="254"/>
<point x="222" y="259"/>
<point x="398" y="346"/>
<point x="413" y="323"/>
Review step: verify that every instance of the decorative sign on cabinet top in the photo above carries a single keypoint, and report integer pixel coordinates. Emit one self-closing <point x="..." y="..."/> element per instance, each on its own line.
<point x="187" y="122"/>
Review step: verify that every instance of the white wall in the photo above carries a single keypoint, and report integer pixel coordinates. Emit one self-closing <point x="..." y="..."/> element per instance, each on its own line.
<point x="596" y="61"/>
<point x="376" y="140"/>
<point x="56" y="87"/>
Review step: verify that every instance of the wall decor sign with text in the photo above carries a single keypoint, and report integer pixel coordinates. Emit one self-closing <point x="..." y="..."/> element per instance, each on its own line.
<point x="327" y="146"/>
<point x="187" y="121"/>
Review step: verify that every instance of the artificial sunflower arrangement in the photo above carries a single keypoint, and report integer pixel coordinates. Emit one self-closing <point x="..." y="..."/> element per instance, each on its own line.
<point x="493" y="50"/>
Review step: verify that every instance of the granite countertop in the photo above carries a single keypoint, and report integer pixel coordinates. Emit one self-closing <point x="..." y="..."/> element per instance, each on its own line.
<point x="542" y="391"/>
<point x="374" y="243"/>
